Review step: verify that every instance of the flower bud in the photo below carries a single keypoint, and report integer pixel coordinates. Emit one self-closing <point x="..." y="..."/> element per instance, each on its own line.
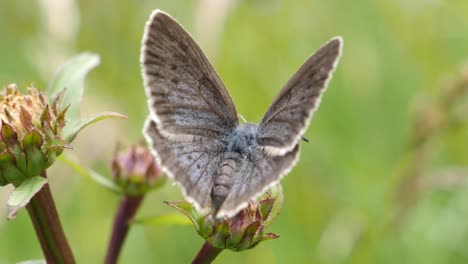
<point x="243" y="231"/>
<point x="135" y="170"/>
<point x="30" y="133"/>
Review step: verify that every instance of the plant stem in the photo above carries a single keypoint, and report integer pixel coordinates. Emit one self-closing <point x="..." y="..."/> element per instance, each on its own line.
<point x="206" y="254"/>
<point x="127" y="209"/>
<point x="49" y="231"/>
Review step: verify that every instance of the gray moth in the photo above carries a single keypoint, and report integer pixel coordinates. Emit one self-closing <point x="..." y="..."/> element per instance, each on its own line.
<point x="193" y="128"/>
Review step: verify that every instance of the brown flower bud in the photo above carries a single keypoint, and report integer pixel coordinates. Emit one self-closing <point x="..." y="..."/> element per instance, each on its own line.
<point x="135" y="170"/>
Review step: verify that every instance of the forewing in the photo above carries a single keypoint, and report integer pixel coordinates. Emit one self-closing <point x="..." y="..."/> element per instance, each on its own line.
<point x="289" y="114"/>
<point x="186" y="96"/>
<point x="255" y="175"/>
<point x="191" y="164"/>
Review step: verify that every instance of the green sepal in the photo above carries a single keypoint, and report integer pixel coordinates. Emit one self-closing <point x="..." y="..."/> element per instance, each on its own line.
<point x="55" y="149"/>
<point x="45" y="115"/>
<point x="45" y="124"/>
<point x="61" y="120"/>
<point x="3" y="181"/>
<point x="133" y="186"/>
<point x="205" y="226"/>
<point x="8" y="115"/>
<point x="35" y="159"/>
<point x="21" y="196"/>
<point x="52" y="153"/>
<point x="10" y="138"/>
<point x="26" y="119"/>
<point x="277" y="204"/>
<point x="57" y="101"/>
<point x="266" y="207"/>
<point x="71" y="130"/>
<point x="269" y="236"/>
<point x="219" y="237"/>
<point x="137" y="185"/>
<point x="11" y="173"/>
<point x="237" y="230"/>
<point x="250" y="235"/>
<point x="187" y="209"/>
<point x="137" y="190"/>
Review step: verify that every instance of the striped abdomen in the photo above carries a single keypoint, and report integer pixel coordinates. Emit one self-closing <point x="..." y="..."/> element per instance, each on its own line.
<point x="223" y="182"/>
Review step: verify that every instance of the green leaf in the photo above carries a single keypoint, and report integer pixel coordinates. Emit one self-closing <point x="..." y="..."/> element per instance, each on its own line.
<point x="93" y="175"/>
<point x="71" y="77"/>
<point x="21" y="196"/>
<point x="164" y="219"/>
<point x="70" y="131"/>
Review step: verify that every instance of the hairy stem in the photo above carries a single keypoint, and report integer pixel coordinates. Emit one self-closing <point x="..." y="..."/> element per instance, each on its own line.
<point x="127" y="210"/>
<point x="49" y="231"/>
<point x="206" y="254"/>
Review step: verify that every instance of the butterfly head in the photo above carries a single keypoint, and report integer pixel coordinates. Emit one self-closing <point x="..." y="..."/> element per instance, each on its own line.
<point x="243" y="139"/>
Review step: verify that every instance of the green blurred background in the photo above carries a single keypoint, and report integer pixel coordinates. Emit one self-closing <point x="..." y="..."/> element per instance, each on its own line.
<point x="340" y="198"/>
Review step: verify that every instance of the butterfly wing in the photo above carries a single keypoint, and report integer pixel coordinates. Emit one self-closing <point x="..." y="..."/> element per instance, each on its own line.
<point x="253" y="176"/>
<point x="289" y="114"/>
<point x="189" y="107"/>
<point x="186" y="96"/>
<point x="191" y="163"/>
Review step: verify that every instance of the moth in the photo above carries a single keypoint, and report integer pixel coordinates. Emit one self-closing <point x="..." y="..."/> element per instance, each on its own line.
<point x="193" y="127"/>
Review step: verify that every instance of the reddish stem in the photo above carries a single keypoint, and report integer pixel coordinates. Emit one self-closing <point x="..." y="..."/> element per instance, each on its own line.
<point x="127" y="209"/>
<point x="206" y="254"/>
<point x="49" y="231"/>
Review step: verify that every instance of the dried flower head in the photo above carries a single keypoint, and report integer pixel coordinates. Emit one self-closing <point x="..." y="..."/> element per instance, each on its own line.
<point x="36" y="127"/>
<point x="30" y="133"/>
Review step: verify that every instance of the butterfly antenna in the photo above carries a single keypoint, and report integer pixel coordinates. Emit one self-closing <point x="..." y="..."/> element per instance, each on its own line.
<point x="305" y="139"/>
<point x="242" y="118"/>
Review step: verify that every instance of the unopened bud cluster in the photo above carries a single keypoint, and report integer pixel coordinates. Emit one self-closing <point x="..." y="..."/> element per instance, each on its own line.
<point x="243" y="231"/>
<point x="135" y="170"/>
